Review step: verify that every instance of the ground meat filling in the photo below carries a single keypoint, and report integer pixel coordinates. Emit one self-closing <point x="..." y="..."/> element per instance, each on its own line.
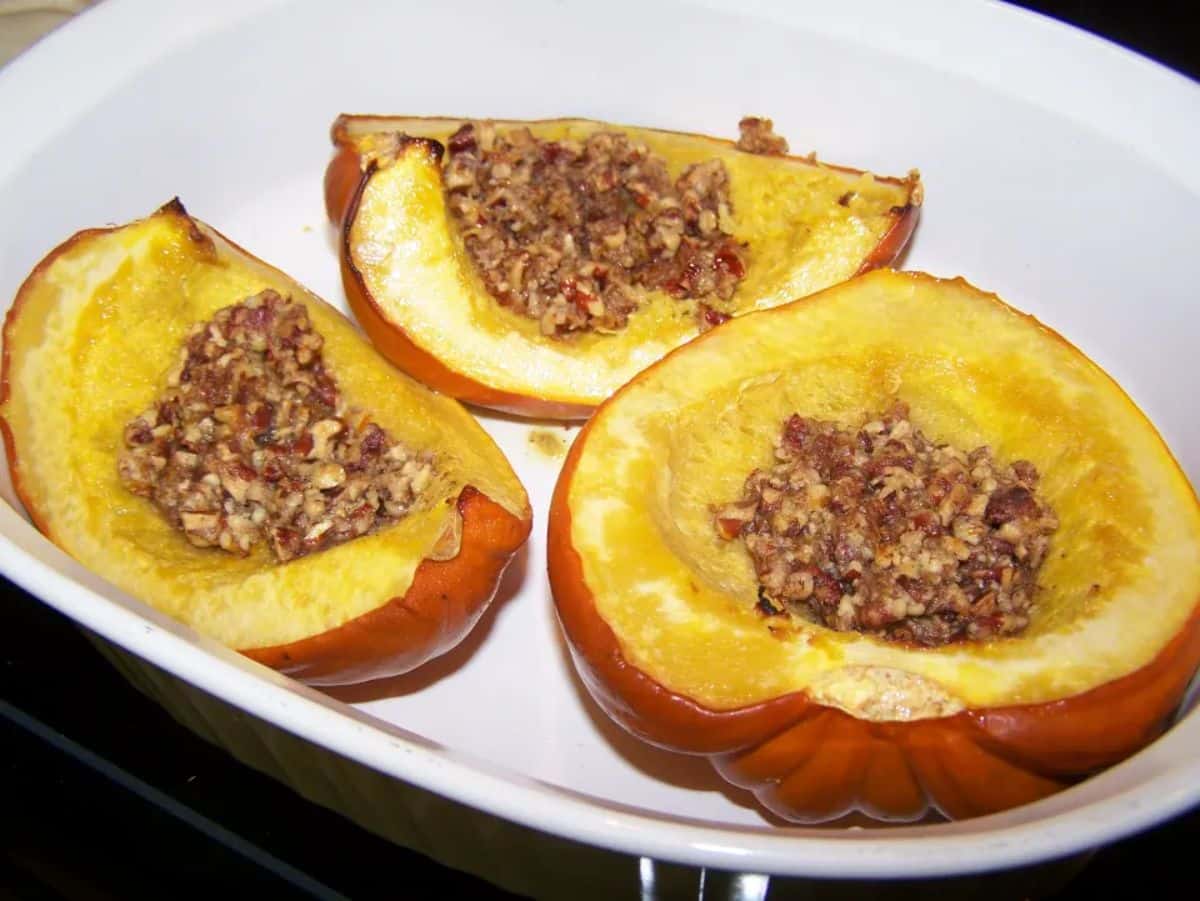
<point x="251" y="441"/>
<point x="879" y="530"/>
<point x="758" y="136"/>
<point x="571" y="234"/>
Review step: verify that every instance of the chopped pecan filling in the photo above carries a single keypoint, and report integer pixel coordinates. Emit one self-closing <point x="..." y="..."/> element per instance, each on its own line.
<point x="758" y="136"/>
<point x="251" y="441"/>
<point x="879" y="530"/>
<point x="572" y="234"/>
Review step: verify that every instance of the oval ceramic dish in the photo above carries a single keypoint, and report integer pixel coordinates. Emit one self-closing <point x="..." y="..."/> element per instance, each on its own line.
<point x="1059" y="171"/>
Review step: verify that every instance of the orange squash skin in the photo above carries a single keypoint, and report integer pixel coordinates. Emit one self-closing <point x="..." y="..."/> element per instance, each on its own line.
<point x="347" y="175"/>
<point x="810" y="763"/>
<point x="443" y="603"/>
<point x="342" y="176"/>
<point x="890" y="246"/>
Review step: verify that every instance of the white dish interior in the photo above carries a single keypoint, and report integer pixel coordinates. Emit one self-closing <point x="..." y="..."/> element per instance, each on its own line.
<point x="1059" y="173"/>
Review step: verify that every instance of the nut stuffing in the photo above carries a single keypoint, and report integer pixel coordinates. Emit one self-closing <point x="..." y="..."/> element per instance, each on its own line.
<point x="879" y="530"/>
<point x="758" y="136"/>
<point x="251" y="441"/>
<point x="573" y="233"/>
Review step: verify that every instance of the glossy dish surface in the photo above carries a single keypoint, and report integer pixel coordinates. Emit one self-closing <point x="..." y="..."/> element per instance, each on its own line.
<point x="1018" y="152"/>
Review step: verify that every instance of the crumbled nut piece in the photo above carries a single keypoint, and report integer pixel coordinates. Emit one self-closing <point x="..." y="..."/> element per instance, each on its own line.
<point x="251" y="441"/>
<point x="758" y="136"/>
<point x="879" y="530"/>
<point x="567" y="233"/>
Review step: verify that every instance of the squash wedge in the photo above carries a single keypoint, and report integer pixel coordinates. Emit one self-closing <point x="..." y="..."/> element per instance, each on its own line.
<point x="412" y="286"/>
<point x="87" y="347"/>
<point x="660" y="612"/>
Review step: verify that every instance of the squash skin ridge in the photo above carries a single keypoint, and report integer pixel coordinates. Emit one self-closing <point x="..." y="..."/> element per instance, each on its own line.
<point x="446" y="598"/>
<point x="790" y="750"/>
<point x="346" y="177"/>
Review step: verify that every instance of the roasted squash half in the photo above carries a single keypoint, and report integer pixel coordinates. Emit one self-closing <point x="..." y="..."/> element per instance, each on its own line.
<point x="660" y="613"/>
<point x="415" y="290"/>
<point x="87" y="346"/>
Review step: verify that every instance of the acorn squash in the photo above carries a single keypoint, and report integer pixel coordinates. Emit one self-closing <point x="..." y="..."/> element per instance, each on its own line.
<point x="417" y="294"/>
<point x="87" y="347"/>
<point x="660" y="612"/>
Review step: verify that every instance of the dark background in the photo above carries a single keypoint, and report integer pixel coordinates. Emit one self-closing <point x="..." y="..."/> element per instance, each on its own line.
<point x="103" y="795"/>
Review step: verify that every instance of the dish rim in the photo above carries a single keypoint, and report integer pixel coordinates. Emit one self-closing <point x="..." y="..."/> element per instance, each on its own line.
<point x="994" y="842"/>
